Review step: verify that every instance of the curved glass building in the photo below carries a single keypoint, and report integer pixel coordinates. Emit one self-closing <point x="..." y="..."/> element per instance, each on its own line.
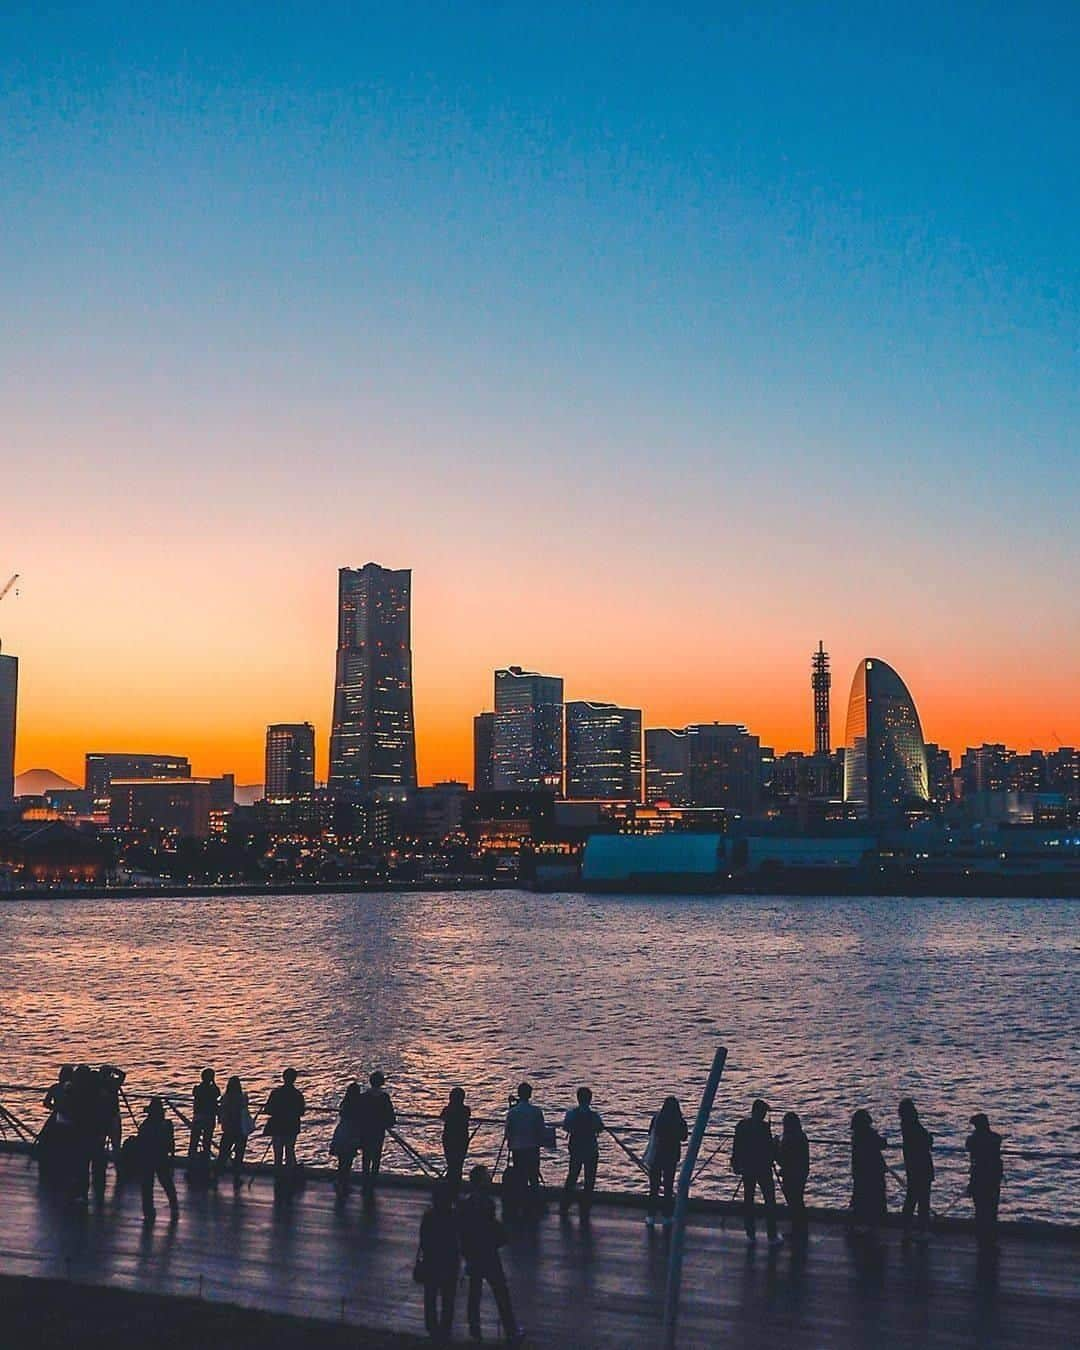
<point x="885" y="769"/>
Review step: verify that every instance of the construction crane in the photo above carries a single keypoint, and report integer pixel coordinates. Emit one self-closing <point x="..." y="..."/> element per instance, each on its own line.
<point x="8" y="587"/>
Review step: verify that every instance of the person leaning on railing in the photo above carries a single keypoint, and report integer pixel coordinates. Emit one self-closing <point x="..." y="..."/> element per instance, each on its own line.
<point x="667" y="1131"/>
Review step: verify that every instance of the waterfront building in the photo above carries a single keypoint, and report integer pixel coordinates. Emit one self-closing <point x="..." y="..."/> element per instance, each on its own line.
<point x="51" y="853"/>
<point x="103" y="768"/>
<point x="997" y="768"/>
<point x="987" y="768"/>
<point x="9" y="698"/>
<point x="939" y="768"/>
<point x="725" y="767"/>
<point x="484" y="752"/>
<point x="603" y="752"/>
<point x="667" y="766"/>
<point x="527" y="749"/>
<point x="708" y="764"/>
<point x="290" y="761"/>
<point x="885" y="769"/>
<point x="178" y="806"/>
<point x="821" y="683"/>
<point x="438" y="812"/>
<point x="372" y="737"/>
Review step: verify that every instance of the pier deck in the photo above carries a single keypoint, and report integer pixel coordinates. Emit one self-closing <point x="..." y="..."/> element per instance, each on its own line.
<point x="598" y="1287"/>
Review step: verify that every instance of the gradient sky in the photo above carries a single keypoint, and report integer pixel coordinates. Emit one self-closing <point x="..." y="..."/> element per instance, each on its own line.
<point x="659" y="340"/>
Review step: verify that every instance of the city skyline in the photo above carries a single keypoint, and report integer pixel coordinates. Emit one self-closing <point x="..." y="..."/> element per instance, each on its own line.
<point x="657" y="344"/>
<point x="463" y="768"/>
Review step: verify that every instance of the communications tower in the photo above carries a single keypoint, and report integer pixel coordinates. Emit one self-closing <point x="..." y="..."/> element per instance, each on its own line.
<point x="821" y="682"/>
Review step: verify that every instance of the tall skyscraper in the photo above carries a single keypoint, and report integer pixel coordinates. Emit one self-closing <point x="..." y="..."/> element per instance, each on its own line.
<point x="885" y="769"/>
<point x="372" y="738"/>
<point x="484" y="752"/>
<point x="603" y="752"/>
<point x="103" y="768"/>
<point x="290" y="761"/>
<point x="528" y="747"/>
<point x="821" y="683"/>
<point x="9" y="697"/>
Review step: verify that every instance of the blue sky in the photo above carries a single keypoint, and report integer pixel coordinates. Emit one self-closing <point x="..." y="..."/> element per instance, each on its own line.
<point x="800" y="270"/>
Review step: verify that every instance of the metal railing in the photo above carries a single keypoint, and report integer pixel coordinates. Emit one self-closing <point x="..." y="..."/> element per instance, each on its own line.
<point x="1040" y="1184"/>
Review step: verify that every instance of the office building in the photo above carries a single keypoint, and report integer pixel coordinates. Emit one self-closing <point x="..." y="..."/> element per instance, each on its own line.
<point x="9" y="698"/>
<point x="178" y="806"/>
<point x="885" y="769"/>
<point x="103" y="768"/>
<point x="484" y="752"/>
<point x="939" y="770"/>
<point x="290" y="761"/>
<point x="528" y="740"/>
<point x="372" y="738"/>
<point x="725" y="767"/>
<point x="667" y="766"/>
<point x="708" y="764"/>
<point x="603" y="752"/>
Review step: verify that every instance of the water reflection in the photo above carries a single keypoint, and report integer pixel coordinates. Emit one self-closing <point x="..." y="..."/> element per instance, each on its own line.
<point x="824" y="1004"/>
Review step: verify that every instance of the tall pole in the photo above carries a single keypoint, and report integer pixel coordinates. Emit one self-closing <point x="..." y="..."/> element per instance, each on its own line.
<point x="821" y="682"/>
<point x="682" y="1195"/>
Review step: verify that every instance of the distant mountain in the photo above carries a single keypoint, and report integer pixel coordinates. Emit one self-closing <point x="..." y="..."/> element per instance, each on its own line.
<point x="247" y="794"/>
<point x="34" y="782"/>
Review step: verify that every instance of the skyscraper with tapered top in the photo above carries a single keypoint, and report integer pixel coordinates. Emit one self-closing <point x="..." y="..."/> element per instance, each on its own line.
<point x="372" y="737"/>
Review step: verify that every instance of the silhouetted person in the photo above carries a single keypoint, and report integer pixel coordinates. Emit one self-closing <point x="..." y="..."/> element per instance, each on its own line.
<point x="481" y="1237"/>
<point x="85" y="1108"/>
<point x="752" y="1154"/>
<point x="455" y="1117"/>
<point x="112" y="1081"/>
<point x="375" y="1118"/>
<point x="524" y="1138"/>
<point x="985" y="1178"/>
<point x="236" y="1127"/>
<point x="56" y="1147"/>
<point x="583" y="1128"/>
<point x="346" y="1141"/>
<point x="205" y="1096"/>
<point x="157" y="1144"/>
<point x="667" y="1130"/>
<point x="440" y="1254"/>
<point x="918" y="1145"/>
<point x="284" y="1108"/>
<point x="793" y="1155"/>
<point x="57" y="1091"/>
<point x="867" y="1173"/>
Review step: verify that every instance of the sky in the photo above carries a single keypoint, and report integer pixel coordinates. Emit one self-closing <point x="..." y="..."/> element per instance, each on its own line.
<point x="660" y="341"/>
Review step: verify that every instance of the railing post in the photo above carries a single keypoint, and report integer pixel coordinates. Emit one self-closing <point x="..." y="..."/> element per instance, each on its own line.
<point x="682" y="1195"/>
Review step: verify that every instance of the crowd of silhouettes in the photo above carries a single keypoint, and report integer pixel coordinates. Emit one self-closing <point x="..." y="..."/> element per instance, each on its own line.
<point x="84" y="1125"/>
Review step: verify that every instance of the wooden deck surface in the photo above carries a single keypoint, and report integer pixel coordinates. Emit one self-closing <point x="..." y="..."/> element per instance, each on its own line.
<point x="601" y="1286"/>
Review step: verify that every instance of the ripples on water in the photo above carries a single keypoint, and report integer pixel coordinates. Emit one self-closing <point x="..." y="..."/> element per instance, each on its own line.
<point x="824" y="1005"/>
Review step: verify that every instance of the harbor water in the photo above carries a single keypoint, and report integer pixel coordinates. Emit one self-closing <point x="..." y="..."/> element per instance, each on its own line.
<point x="825" y="1005"/>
